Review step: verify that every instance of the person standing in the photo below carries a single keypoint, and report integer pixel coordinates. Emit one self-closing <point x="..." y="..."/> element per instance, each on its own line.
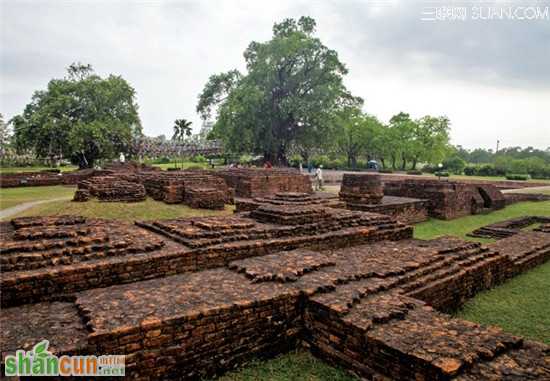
<point x="319" y="178"/>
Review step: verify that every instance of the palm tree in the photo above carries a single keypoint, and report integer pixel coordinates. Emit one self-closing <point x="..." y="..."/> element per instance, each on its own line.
<point x="182" y="130"/>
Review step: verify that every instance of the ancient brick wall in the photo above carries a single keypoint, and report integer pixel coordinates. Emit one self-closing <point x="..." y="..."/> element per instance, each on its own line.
<point x="66" y="254"/>
<point x="114" y="188"/>
<point x="512" y="198"/>
<point x="171" y="187"/>
<point x="507" y="228"/>
<point x="30" y="179"/>
<point x="287" y="198"/>
<point x="353" y="297"/>
<point x="257" y="182"/>
<point x="447" y="199"/>
<point x="359" y="189"/>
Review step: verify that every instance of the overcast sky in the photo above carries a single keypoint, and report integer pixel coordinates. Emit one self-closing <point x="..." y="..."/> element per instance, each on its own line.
<point x="490" y="77"/>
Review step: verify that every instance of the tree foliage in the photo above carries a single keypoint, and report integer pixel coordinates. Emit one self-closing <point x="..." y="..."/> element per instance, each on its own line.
<point x="292" y="88"/>
<point x="82" y="117"/>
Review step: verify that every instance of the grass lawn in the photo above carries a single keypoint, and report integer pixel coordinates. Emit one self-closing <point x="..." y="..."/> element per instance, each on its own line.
<point x="35" y="169"/>
<point x="494" y="178"/>
<point x="461" y="226"/>
<point x="180" y="165"/>
<point x="13" y="196"/>
<point x="128" y="211"/>
<point x="297" y="365"/>
<point x="519" y="306"/>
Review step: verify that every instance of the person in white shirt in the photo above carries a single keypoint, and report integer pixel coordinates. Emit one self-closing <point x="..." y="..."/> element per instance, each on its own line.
<point x="319" y="178"/>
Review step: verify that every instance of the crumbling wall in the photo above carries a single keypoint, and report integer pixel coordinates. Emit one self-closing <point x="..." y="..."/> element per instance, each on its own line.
<point x="447" y="199"/>
<point x="258" y="182"/>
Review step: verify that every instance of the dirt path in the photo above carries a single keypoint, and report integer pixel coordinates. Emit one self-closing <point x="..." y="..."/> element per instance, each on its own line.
<point x="8" y="212"/>
<point x="528" y="190"/>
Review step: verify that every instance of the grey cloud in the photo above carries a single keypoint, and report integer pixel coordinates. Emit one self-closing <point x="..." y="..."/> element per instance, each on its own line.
<point x="168" y="49"/>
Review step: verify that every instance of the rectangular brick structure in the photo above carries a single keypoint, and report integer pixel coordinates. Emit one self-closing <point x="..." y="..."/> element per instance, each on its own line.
<point x="259" y="182"/>
<point x="46" y="258"/>
<point x="174" y="187"/>
<point x="509" y="227"/>
<point x="448" y="199"/>
<point x="369" y="308"/>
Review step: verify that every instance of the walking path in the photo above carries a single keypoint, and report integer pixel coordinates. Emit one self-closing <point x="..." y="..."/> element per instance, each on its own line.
<point x="528" y="190"/>
<point x="8" y="212"/>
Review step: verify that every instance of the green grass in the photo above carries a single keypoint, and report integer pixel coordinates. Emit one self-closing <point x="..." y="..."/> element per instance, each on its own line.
<point x="520" y="306"/>
<point x="146" y="210"/>
<point x="35" y="169"/>
<point x="461" y="226"/>
<point x="494" y="178"/>
<point x="13" y="196"/>
<point x="180" y="165"/>
<point x="296" y="365"/>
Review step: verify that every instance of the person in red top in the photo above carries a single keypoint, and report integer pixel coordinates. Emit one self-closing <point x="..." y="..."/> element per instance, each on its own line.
<point x="268" y="164"/>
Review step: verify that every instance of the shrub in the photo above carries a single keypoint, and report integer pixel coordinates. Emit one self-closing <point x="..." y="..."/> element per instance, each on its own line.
<point x="245" y="159"/>
<point x="198" y="159"/>
<point x="295" y="160"/>
<point x="162" y="160"/>
<point x="194" y="167"/>
<point x="454" y="164"/>
<point x="414" y="172"/>
<point x="470" y="170"/>
<point x="318" y="160"/>
<point x="442" y="174"/>
<point x="517" y="176"/>
<point x="385" y="170"/>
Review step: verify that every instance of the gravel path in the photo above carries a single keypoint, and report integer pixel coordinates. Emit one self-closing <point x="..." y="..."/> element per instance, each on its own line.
<point x="8" y="212"/>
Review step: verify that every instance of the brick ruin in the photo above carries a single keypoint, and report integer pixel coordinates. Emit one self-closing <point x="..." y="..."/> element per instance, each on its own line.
<point x="55" y="177"/>
<point x="366" y="192"/>
<point x="196" y="188"/>
<point x="510" y="227"/>
<point x="259" y="182"/>
<point x="110" y="188"/>
<point x="287" y="198"/>
<point x="448" y="199"/>
<point x="192" y="298"/>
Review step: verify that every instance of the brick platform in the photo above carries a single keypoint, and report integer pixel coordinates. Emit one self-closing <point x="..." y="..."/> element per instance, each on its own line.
<point x="287" y="198"/>
<point x="369" y="308"/>
<point x="508" y="228"/>
<point x="365" y="192"/>
<point x="257" y="182"/>
<point x="116" y="188"/>
<point x="48" y="258"/>
<point x="448" y="199"/>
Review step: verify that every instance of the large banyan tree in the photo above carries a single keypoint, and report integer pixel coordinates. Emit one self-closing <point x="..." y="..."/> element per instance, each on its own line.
<point x="292" y="88"/>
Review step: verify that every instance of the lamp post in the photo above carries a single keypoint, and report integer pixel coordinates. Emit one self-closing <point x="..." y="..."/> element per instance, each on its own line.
<point x="439" y="166"/>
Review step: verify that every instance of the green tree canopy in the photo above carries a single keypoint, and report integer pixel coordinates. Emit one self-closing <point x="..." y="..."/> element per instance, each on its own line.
<point x="292" y="88"/>
<point x="82" y="117"/>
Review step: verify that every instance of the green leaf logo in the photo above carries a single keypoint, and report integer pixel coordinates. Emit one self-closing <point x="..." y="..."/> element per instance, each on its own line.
<point x="41" y="349"/>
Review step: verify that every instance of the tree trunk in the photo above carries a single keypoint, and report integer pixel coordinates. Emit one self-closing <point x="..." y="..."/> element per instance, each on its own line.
<point x="393" y="160"/>
<point x="414" y="164"/>
<point x="383" y="162"/>
<point x="403" y="163"/>
<point x="353" y="162"/>
<point x="281" y="156"/>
